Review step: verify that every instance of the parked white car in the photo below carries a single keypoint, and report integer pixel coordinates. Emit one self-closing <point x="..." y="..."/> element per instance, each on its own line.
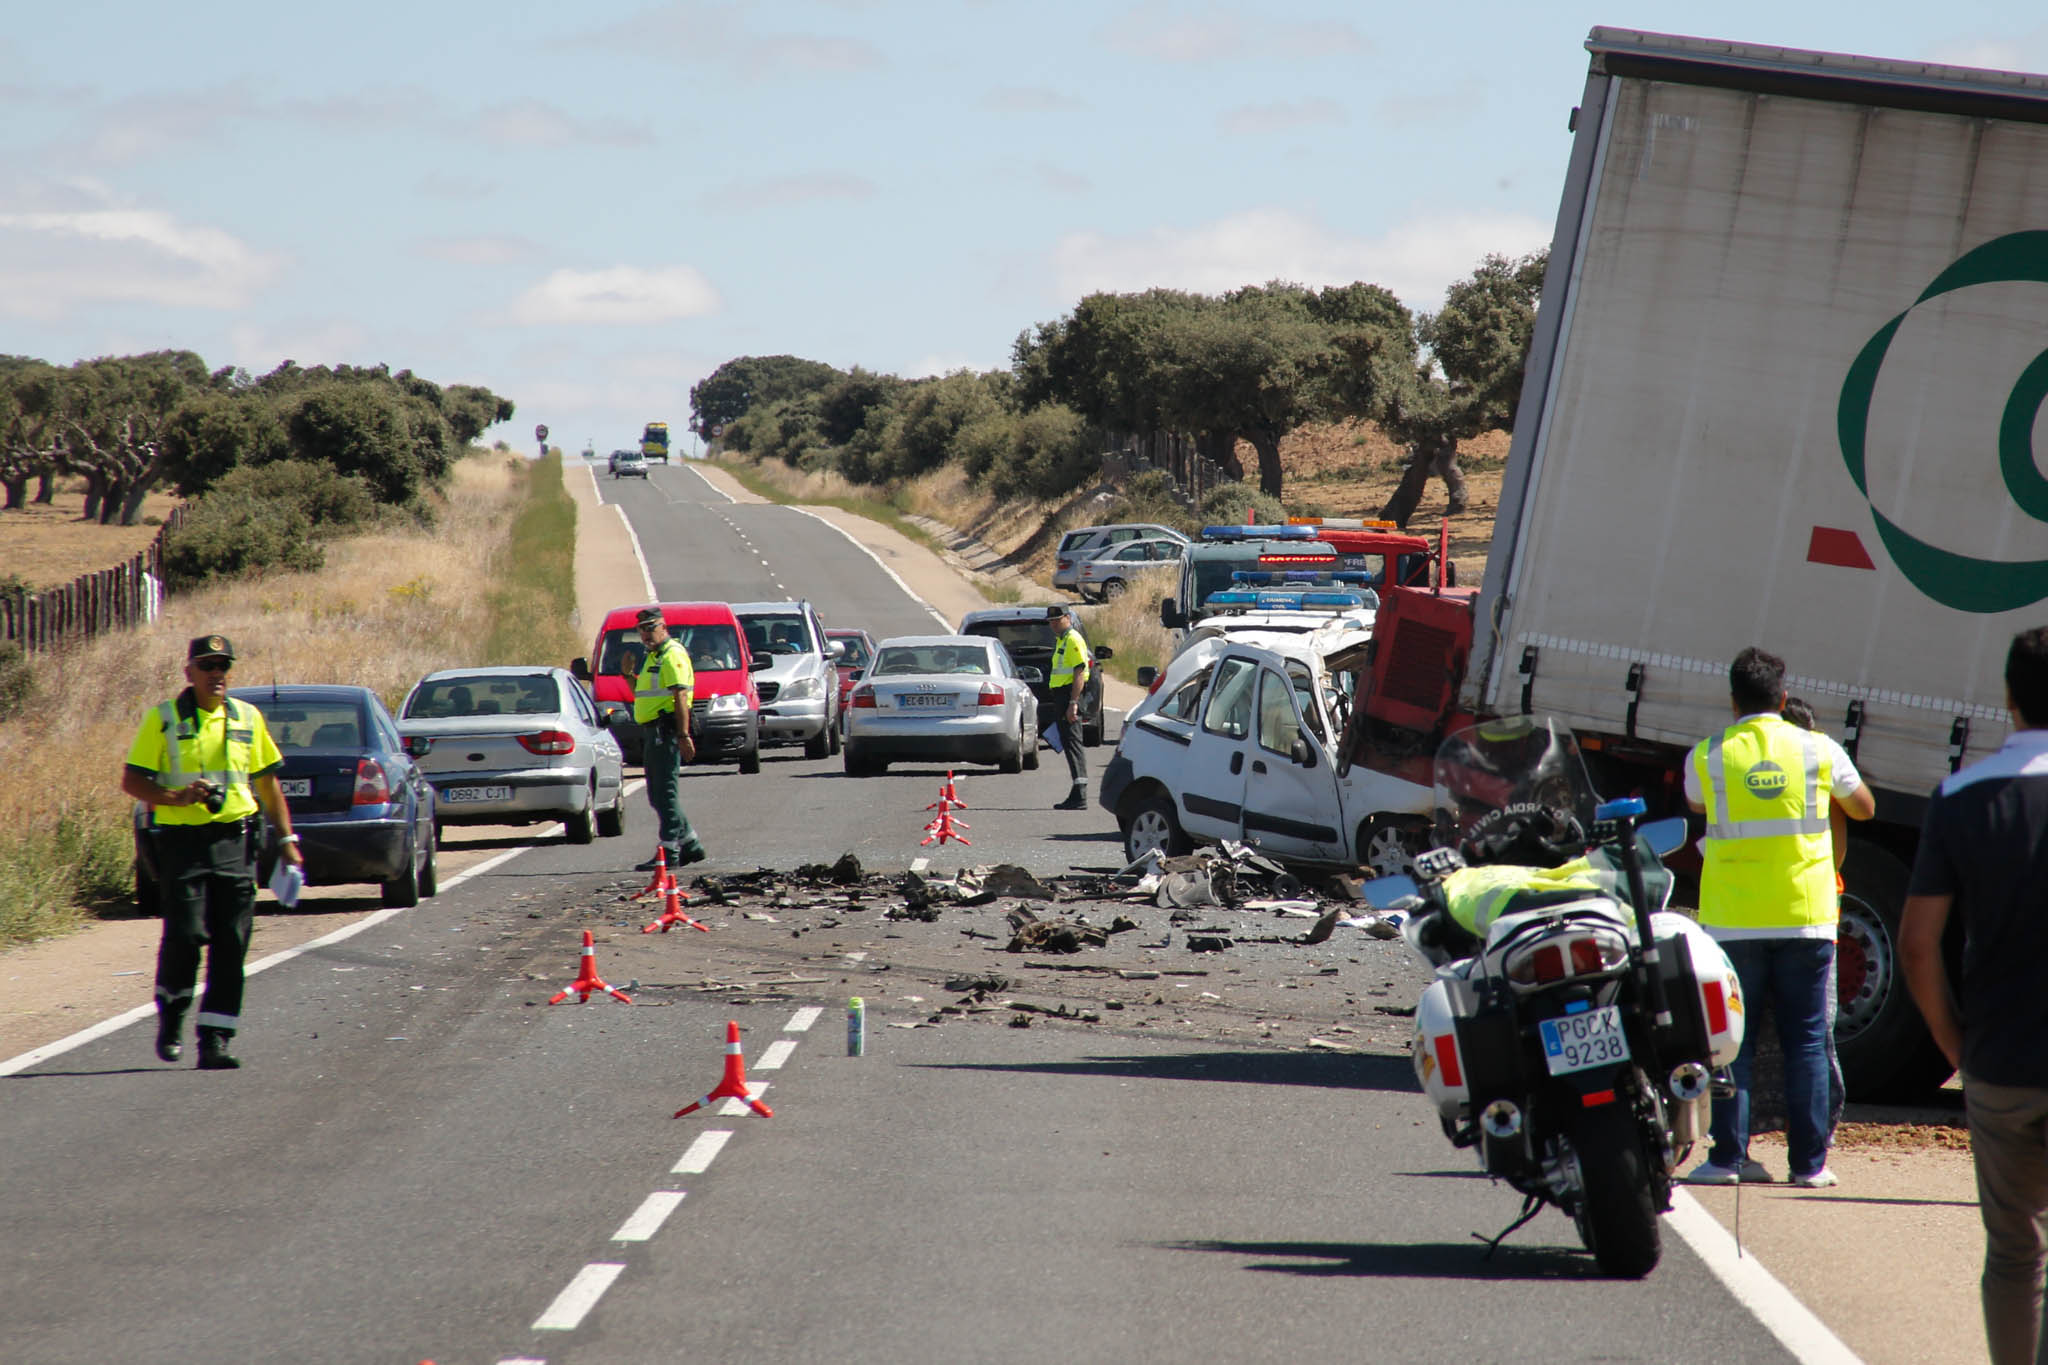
<point x="943" y="698"/>
<point x="1110" y="573"/>
<point x="800" y="688"/>
<point x="1241" y="740"/>
<point x="1084" y="542"/>
<point x="515" y="745"/>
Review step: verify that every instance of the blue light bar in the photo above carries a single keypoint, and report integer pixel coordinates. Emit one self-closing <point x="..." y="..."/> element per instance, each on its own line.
<point x="1233" y="599"/>
<point x="1342" y="601"/>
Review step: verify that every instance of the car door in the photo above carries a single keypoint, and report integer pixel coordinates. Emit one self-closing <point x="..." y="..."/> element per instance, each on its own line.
<point x="1291" y="807"/>
<point x="420" y="799"/>
<point x="1211" y="786"/>
<point x="607" y="767"/>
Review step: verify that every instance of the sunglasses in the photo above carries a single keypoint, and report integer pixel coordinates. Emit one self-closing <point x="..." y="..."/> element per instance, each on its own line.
<point x="212" y="665"/>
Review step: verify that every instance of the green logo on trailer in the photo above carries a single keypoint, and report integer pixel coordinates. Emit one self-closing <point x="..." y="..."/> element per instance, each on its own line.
<point x="1958" y="580"/>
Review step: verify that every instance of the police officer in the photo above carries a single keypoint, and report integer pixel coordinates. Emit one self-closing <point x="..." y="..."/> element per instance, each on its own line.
<point x="1070" y="669"/>
<point x="203" y="761"/>
<point x="661" y="706"/>
<point x="1767" y="895"/>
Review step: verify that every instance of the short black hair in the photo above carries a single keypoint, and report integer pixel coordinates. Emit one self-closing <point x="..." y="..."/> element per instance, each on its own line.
<point x="2026" y="675"/>
<point x="1756" y="681"/>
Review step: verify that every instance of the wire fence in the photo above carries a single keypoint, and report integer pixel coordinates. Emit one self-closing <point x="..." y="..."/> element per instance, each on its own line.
<point x="126" y="595"/>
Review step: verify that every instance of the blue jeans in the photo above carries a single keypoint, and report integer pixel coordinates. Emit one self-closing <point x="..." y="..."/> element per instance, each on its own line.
<point x="1793" y="974"/>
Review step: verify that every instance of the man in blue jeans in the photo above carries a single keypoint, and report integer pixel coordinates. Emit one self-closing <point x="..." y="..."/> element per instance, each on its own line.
<point x="1767" y="895"/>
<point x="1984" y="858"/>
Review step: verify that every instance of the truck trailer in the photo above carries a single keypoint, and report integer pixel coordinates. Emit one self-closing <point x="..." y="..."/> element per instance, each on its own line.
<point x="1785" y="389"/>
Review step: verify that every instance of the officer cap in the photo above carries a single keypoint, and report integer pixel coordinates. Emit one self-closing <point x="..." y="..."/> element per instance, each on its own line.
<point x="207" y="646"/>
<point x="649" y="616"/>
<point x="1056" y="611"/>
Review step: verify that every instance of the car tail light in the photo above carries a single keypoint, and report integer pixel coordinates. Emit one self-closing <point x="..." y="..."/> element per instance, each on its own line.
<point x="863" y="698"/>
<point x="373" y="787"/>
<point x="549" y="742"/>
<point x="990" y="695"/>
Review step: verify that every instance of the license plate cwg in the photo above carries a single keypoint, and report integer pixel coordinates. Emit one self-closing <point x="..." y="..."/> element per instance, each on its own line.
<point x="1578" y="1042"/>
<point x="295" y="786"/>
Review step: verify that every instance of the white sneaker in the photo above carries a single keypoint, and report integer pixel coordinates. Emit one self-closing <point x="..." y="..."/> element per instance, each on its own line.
<point x="1707" y="1173"/>
<point x="1754" y="1172"/>
<point x="1816" y="1180"/>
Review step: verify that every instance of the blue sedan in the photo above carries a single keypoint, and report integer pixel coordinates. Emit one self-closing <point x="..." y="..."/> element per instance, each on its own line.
<point x="362" y="809"/>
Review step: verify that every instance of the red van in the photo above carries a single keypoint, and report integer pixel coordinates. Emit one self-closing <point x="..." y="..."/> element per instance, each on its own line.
<point x="725" y="712"/>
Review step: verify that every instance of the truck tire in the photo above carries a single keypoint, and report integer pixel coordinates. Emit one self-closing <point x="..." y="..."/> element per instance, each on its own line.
<point x="1617" y="1216"/>
<point x="1887" y="1054"/>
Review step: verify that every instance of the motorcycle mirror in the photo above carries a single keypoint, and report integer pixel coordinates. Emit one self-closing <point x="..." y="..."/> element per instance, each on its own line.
<point x="1664" y="835"/>
<point x="1383" y="893"/>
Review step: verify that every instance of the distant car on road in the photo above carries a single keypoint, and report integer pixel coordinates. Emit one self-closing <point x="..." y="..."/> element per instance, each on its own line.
<point x="1027" y="636"/>
<point x="516" y="745"/>
<point x="942" y="698"/>
<point x="362" y="809"/>
<point x="628" y="464"/>
<point x="857" y="650"/>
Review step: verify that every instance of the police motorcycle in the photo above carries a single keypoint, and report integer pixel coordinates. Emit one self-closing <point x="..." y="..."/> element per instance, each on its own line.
<point x="1574" y="1027"/>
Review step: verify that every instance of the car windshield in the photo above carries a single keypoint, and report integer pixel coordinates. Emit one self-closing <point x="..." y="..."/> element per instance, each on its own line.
<point x="1019" y="637"/>
<point x="901" y="660"/>
<point x="856" y="651"/>
<point x="525" y="694"/>
<point x="298" y="726"/>
<point x="712" y="646"/>
<point x="774" y="633"/>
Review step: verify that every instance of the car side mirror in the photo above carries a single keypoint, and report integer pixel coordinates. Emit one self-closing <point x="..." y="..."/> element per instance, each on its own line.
<point x="1026" y="673"/>
<point x="1304" y="752"/>
<point x="604" y="720"/>
<point x="579" y="669"/>
<point x="1103" y="652"/>
<point x="1170" y="614"/>
<point x="1147" y="675"/>
<point x="835" y="649"/>
<point x="757" y="663"/>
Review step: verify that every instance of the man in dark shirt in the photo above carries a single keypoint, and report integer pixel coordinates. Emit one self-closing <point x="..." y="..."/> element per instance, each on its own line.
<point x="1984" y="856"/>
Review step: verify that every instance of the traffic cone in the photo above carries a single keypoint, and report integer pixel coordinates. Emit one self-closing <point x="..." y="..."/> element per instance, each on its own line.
<point x="672" y="913"/>
<point x="661" y="876"/>
<point x="734" y="1084"/>
<point x="944" y="826"/>
<point x="587" y="980"/>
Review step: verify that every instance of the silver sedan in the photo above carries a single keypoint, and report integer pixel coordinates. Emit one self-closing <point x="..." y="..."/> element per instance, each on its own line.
<point x="515" y="745"/>
<point x="941" y="697"/>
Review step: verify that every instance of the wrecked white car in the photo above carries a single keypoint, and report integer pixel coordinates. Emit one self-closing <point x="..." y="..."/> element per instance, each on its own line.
<point x="1243" y="740"/>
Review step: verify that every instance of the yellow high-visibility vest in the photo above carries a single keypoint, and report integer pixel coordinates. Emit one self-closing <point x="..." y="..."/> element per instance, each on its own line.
<point x="665" y="668"/>
<point x="223" y="746"/>
<point x="1068" y="657"/>
<point x="1770" y="868"/>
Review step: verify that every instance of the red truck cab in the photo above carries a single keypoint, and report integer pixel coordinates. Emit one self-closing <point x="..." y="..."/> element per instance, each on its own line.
<point x="725" y="709"/>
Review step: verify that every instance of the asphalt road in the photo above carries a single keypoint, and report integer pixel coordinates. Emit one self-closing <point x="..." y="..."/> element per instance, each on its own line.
<point x="424" y="1161"/>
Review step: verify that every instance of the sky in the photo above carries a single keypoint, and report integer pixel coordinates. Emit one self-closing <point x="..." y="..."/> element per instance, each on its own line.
<point x="587" y="208"/>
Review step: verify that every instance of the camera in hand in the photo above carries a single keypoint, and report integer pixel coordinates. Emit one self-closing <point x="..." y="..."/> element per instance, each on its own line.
<point x="216" y="796"/>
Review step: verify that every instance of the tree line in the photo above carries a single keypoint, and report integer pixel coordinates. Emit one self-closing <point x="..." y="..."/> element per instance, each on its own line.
<point x="1249" y="365"/>
<point x="132" y="424"/>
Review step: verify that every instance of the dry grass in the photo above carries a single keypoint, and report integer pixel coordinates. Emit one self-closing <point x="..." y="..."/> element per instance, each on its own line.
<point x="1130" y="626"/>
<point x="387" y="608"/>
<point x="48" y="544"/>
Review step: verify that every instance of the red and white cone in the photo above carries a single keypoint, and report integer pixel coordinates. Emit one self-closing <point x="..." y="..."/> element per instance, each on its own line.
<point x="944" y="826"/>
<point x="672" y="913"/>
<point x="588" y="982"/>
<point x="733" y="1085"/>
<point x="662" y="877"/>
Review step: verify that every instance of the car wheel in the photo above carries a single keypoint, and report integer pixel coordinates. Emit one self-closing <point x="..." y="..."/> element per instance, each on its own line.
<point x="1112" y="589"/>
<point x="832" y="731"/>
<point x="1150" y="823"/>
<point x="1013" y="761"/>
<point x="430" y="874"/>
<point x="612" y="823"/>
<point x="404" y="892"/>
<point x="1030" y="747"/>
<point x="1091" y="735"/>
<point x="582" y="824"/>
<point x="818" y="746"/>
<point x="750" y="761"/>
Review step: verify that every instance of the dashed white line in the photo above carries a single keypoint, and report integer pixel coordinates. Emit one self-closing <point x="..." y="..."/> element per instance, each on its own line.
<point x="574" y="1303"/>
<point x="775" y="1054"/>
<point x="648" y="1218"/>
<point x="697" y="1159"/>
<point x="801" y="1021"/>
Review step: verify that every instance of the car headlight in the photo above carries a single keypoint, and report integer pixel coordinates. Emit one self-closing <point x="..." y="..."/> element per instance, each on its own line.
<point x="725" y="705"/>
<point x="804" y="689"/>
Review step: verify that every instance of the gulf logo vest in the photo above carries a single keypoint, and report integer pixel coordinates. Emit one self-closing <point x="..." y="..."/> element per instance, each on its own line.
<point x="1769" y="858"/>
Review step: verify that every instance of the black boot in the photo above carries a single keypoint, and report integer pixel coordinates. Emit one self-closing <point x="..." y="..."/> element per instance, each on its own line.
<point x="168" y="1027"/>
<point x="213" y="1051"/>
<point x="1077" y="799"/>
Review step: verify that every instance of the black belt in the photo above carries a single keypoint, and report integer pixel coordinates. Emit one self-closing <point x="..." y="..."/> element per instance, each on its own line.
<point x="214" y="829"/>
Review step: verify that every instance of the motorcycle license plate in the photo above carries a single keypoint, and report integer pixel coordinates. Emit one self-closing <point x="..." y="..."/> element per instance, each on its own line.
<point x="1577" y="1042"/>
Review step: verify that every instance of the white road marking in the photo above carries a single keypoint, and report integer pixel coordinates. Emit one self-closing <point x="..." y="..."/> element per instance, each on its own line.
<point x="775" y="1054"/>
<point x="648" y="1218"/>
<point x="596" y="489"/>
<point x="944" y="624"/>
<point x="573" y="1304"/>
<point x="522" y="1360"/>
<point x="697" y="1158"/>
<point x="645" y="577"/>
<point x="801" y="1021"/>
<point x="1771" y="1303"/>
<point x="712" y="486"/>
<point x="733" y="1108"/>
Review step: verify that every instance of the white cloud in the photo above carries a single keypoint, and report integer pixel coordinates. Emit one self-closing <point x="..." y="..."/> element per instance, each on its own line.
<point x="1169" y="33"/>
<point x="2025" y="51"/>
<point x="1258" y="119"/>
<point x="938" y="366"/>
<point x="784" y="191"/>
<point x="485" y="250"/>
<point x="713" y="33"/>
<point x="536" y="123"/>
<point x="623" y="295"/>
<point x="1416" y="260"/>
<point x="260" y="348"/>
<point x="54" y="261"/>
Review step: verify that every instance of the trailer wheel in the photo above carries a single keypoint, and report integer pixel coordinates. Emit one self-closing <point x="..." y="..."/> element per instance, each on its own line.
<point x="1887" y="1054"/>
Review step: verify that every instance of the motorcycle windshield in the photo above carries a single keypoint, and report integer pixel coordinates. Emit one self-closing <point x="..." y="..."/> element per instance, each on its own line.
<point x="1491" y="772"/>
